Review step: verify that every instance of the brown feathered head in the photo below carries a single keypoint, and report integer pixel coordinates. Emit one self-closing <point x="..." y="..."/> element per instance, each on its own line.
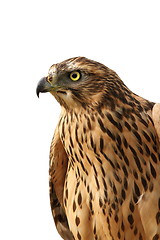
<point x="82" y="82"/>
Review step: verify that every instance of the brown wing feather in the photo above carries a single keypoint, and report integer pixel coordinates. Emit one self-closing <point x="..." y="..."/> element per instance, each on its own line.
<point x="57" y="171"/>
<point x="156" y="118"/>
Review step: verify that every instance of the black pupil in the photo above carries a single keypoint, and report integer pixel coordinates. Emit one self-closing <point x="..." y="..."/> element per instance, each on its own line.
<point x="74" y="75"/>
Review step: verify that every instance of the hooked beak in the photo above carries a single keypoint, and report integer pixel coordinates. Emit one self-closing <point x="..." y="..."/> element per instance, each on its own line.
<point x="45" y="86"/>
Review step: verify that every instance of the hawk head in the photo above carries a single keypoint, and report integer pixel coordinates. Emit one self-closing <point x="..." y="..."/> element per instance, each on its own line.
<point x="82" y="82"/>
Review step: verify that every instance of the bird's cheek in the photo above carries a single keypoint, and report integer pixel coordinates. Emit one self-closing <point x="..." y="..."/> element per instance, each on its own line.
<point x="68" y="99"/>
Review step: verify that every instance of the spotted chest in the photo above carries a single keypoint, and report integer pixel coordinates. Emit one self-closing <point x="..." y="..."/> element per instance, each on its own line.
<point x="113" y="159"/>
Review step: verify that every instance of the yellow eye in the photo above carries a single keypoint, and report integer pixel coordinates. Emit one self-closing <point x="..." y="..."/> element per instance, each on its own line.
<point x="74" y="76"/>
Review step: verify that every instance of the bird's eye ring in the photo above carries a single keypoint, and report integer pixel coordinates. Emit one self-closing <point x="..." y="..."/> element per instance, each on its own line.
<point x="74" y="76"/>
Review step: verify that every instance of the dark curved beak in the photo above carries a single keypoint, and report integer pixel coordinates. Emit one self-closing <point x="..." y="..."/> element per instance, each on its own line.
<point x="43" y="86"/>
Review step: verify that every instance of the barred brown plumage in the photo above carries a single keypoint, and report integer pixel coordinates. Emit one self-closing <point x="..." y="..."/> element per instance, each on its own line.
<point x="104" y="156"/>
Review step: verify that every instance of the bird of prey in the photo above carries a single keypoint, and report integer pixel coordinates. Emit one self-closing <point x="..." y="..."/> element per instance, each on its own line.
<point x="104" y="156"/>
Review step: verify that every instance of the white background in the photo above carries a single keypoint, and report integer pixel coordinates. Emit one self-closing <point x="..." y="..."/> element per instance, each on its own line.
<point x="34" y="34"/>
